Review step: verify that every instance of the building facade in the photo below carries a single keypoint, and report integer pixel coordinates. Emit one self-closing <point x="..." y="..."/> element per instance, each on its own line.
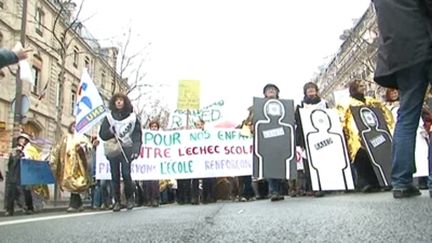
<point x="62" y="48"/>
<point x="355" y="59"/>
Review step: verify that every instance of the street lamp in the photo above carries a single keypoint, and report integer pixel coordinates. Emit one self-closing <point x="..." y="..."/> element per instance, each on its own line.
<point x="18" y="90"/>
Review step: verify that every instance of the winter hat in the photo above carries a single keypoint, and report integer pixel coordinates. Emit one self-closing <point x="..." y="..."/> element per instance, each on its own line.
<point x="268" y="86"/>
<point x="308" y="86"/>
<point x="24" y="135"/>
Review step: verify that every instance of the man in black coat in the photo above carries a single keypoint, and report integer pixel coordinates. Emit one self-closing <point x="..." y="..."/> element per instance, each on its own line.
<point x="404" y="62"/>
<point x="14" y="192"/>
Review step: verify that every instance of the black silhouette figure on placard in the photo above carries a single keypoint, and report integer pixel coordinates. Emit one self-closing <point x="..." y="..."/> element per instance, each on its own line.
<point x="274" y="143"/>
<point x="327" y="154"/>
<point x="378" y="143"/>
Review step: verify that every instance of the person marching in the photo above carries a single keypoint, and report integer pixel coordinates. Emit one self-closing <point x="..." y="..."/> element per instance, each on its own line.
<point x="36" y="194"/>
<point x="68" y="161"/>
<point x="271" y="91"/>
<point x="392" y="102"/>
<point x="208" y="184"/>
<point x="311" y="100"/>
<point x="123" y="128"/>
<point x="14" y="191"/>
<point x="404" y="62"/>
<point x="366" y="178"/>
<point x="152" y="187"/>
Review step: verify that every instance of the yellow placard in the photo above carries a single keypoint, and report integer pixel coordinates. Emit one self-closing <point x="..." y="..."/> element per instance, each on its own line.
<point x="188" y="95"/>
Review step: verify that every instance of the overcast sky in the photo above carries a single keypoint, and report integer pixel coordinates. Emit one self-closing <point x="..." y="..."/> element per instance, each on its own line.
<point x="234" y="47"/>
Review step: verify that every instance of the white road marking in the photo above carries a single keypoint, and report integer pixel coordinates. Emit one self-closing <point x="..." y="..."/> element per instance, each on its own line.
<point x="22" y="221"/>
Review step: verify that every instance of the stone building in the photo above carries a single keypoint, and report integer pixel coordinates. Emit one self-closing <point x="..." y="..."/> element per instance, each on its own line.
<point x="53" y="47"/>
<point x="62" y="48"/>
<point x="355" y="59"/>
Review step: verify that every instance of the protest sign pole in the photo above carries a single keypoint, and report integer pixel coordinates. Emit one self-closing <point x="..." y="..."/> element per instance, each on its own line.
<point x="187" y="118"/>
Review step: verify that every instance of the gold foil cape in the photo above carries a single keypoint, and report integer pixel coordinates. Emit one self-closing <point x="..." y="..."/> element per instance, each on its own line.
<point x="70" y="165"/>
<point x="351" y="132"/>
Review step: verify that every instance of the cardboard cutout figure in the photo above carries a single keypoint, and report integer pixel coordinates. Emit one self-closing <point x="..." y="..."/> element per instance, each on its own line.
<point x="274" y="145"/>
<point x="376" y="139"/>
<point x="327" y="153"/>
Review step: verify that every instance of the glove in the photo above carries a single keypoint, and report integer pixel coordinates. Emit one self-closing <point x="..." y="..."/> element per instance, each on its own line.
<point x="133" y="156"/>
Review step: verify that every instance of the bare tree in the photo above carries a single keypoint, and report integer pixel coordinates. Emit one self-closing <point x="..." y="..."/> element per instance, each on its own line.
<point x="146" y="97"/>
<point x="63" y="32"/>
<point x="152" y="106"/>
<point x="130" y="63"/>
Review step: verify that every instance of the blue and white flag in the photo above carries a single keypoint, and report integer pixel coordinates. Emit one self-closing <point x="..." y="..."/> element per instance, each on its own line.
<point x="89" y="108"/>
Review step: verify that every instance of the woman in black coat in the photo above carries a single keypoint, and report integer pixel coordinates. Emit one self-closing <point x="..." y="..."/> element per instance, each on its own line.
<point x="122" y="123"/>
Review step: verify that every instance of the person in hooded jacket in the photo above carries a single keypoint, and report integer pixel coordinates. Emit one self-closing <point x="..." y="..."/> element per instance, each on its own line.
<point x="123" y="125"/>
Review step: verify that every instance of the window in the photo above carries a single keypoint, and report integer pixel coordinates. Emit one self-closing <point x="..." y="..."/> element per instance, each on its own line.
<point x="88" y="65"/>
<point x="73" y="100"/>
<point x="58" y="100"/>
<point x="113" y="86"/>
<point x="36" y="79"/>
<point x="39" y="18"/>
<point x="75" y="57"/>
<point x="103" y="76"/>
<point x="87" y="62"/>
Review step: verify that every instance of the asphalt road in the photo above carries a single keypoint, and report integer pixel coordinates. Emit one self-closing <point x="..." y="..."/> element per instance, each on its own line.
<point x="350" y="217"/>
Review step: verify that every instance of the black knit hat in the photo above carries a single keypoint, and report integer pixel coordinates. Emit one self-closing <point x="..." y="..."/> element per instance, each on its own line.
<point x="268" y="86"/>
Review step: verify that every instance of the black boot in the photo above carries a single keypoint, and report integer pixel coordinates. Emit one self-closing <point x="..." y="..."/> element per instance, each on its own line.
<point x="130" y="204"/>
<point x="116" y="207"/>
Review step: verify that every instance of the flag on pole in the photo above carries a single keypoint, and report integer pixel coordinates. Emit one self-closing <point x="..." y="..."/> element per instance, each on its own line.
<point x="89" y="107"/>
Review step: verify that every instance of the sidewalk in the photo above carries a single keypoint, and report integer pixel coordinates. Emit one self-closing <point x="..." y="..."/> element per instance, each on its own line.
<point x="50" y="206"/>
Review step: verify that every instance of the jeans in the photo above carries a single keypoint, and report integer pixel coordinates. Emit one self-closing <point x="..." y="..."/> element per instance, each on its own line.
<point x="106" y="192"/>
<point x="430" y="164"/>
<point x="274" y="186"/>
<point x="102" y="193"/>
<point x="412" y="82"/>
<point x="184" y="190"/>
<point x="208" y="189"/>
<point x="115" y="177"/>
<point x="96" y="195"/>
<point x="245" y="184"/>
<point x="195" y="190"/>
<point x="152" y="192"/>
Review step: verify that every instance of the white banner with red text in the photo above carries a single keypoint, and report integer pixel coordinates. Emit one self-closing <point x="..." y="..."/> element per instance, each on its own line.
<point x="187" y="154"/>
